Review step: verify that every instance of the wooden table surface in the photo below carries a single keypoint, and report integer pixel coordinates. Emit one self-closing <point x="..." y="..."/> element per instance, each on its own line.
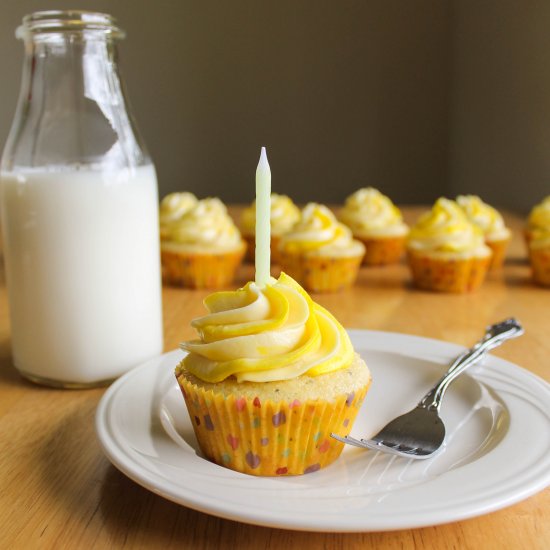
<point x="58" y="490"/>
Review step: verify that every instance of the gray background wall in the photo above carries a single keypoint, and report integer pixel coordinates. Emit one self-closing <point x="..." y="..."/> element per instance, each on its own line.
<point x="420" y="99"/>
<point x="500" y="107"/>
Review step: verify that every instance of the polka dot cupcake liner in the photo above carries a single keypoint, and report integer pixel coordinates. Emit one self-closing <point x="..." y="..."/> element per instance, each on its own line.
<point x="448" y="275"/>
<point x="321" y="274"/>
<point x="200" y="270"/>
<point x="268" y="438"/>
<point x="383" y="250"/>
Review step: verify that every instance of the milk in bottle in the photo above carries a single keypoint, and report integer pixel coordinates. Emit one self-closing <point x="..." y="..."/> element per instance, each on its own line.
<point x="78" y="198"/>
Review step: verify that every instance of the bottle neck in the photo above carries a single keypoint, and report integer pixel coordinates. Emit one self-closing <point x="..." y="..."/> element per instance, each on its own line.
<point x="57" y="21"/>
<point x="72" y="108"/>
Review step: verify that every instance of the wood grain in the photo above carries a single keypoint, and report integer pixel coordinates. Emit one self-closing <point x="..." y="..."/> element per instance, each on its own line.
<point x="57" y="489"/>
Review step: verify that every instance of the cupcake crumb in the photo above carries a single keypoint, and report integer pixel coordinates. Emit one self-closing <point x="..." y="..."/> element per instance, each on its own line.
<point x="328" y="387"/>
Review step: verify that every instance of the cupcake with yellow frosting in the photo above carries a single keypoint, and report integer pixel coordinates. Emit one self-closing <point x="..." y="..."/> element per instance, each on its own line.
<point x="447" y="252"/>
<point x="539" y="255"/>
<point x="172" y="207"/>
<point x="203" y="248"/>
<point x="378" y="224"/>
<point x="539" y="219"/>
<point x="488" y="219"/>
<point x="320" y="252"/>
<point x="270" y="377"/>
<point x="284" y="216"/>
<point x="537" y="236"/>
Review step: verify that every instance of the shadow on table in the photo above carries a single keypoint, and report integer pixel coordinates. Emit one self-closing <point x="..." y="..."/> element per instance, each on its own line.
<point x="134" y="515"/>
<point x="519" y="278"/>
<point x="103" y="505"/>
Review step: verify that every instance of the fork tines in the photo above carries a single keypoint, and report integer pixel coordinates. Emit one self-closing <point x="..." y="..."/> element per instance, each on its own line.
<point x="396" y="449"/>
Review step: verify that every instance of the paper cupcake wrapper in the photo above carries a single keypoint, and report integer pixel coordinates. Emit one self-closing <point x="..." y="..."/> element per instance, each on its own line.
<point x="448" y="275"/>
<point x="200" y="270"/>
<point x="499" y="252"/>
<point x="267" y="438"/>
<point x="540" y="264"/>
<point x="383" y="251"/>
<point x="318" y="274"/>
<point x="528" y="236"/>
<point x="251" y="248"/>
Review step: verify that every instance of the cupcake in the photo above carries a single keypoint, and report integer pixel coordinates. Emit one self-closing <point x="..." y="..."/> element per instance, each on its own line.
<point x="203" y="248"/>
<point x="539" y="255"/>
<point x="378" y="224"/>
<point x="446" y="252"/>
<point x="172" y="208"/>
<point x="496" y="234"/>
<point x="271" y="376"/>
<point x="319" y="252"/>
<point x="539" y="219"/>
<point x="284" y="215"/>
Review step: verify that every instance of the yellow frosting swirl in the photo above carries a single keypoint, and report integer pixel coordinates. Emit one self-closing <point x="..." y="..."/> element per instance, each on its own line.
<point x="284" y="215"/>
<point x="207" y="226"/>
<point x="484" y="216"/>
<point x="445" y="228"/>
<point x="276" y="332"/>
<point x="172" y="207"/>
<point x="539" y="218"/>
<point x="367" y="212"/>
<point x="319" y="233"/>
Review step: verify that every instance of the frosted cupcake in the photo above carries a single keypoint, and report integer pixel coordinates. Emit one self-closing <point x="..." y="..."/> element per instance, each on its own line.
<point x="539" y="219"/>
<point x="320" y="252"/>
<point x="284" y="216"/>
<point x="539" y="256"/>
<point x="496" y="234"/>
<point x="446" y="252"/>
<point x="203" y="248"/>
<point x="271" y="376"/>
<point x="378" y="224"/>
<point x="172" y="208"/>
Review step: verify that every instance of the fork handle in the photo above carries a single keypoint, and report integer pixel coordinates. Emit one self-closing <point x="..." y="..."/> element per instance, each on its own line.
<point x="493" y="337"/>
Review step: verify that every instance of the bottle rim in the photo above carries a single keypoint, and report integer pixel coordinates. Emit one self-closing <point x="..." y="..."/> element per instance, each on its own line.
<point x="66" y="21"/>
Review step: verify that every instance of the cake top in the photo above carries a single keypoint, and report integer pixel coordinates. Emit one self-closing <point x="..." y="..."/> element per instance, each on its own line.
<point x="174" y="205"/>
<point x="446" y="228"/>
<point x="539" y="217"/>
<point x="367" y="211"/>
<point x="319" y="233"/>
<point x="484" y="216"/>
<point x="283" y="215"/>
<point x="263" y="334"/>
<point x="205" y="225"/>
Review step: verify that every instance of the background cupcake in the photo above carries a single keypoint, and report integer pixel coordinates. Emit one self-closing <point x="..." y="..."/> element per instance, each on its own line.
<point x="539" y="219"/>
<point x="284" y="215"/>
<point x="488" y="219"/>
<point x="539" y="255"/>
<point x="271" y="377"/>
<point x="320" y="252"/>
<point x="378" y="224"/>
<point x="446" y="252"/>
<point x="203" y="248"/>
<point x="172" y="208"/>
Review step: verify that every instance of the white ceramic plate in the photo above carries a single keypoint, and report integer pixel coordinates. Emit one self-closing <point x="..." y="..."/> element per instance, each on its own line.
<point x="497" y="451"/>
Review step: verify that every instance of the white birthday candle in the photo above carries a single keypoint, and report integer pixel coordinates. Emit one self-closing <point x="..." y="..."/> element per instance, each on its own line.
<point x="263" y="220"/>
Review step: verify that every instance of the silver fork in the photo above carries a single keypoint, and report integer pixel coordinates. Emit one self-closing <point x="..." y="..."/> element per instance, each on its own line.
<point x="421" y="432"/>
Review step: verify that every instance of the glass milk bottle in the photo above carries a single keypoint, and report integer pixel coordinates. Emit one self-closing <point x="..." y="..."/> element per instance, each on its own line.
<point x="79" y="210"/>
